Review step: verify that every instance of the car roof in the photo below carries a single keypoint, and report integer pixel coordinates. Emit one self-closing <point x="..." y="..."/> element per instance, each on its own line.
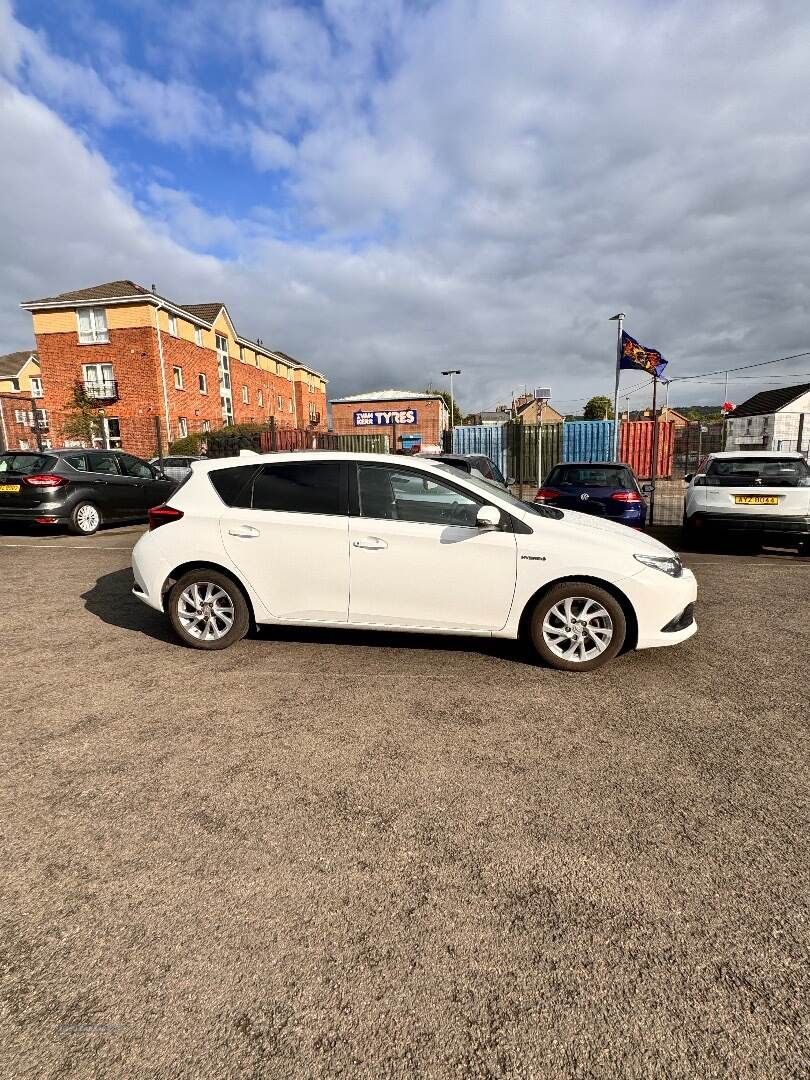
<point x="250" y="457"/>
<point x="593" y="465"/>
<point x="731" y="454"/>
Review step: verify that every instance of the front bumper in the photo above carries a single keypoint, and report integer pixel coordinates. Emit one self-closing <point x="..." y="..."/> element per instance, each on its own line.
<point x="662" y="607"/>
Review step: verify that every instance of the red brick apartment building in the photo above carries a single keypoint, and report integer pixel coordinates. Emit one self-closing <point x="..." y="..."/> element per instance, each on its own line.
<point x="139" y="356"/>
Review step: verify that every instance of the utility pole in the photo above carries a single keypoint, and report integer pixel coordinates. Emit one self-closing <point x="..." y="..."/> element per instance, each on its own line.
<point x="619" y="320"/>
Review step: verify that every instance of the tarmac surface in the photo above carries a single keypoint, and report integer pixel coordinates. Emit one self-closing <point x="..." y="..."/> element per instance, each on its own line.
<point x="323" y="854"/>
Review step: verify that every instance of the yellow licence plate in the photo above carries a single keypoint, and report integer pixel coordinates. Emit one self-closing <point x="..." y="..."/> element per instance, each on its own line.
<point x="756" y="500"/>
<point x="10" y="489"/>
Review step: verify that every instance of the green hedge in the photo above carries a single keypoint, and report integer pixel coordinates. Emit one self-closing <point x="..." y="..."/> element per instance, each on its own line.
<point x="191" y="443"/>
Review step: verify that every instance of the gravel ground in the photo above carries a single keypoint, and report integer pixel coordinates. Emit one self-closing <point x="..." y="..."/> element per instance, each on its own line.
<point x="328" y="854"/>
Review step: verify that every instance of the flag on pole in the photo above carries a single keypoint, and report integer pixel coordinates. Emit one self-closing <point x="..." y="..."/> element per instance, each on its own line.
<point x="637" y="356"/>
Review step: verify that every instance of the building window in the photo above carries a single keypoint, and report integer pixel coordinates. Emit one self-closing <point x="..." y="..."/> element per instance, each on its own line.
<point x="224" y="365"/>
<point x="182" y="427"/>
<point x="203" y="383"/>
<point x="280" y="403"/>
<point x="36" y="388"/>
<point x="206" y="425"/>
<point x="92" y="326"/>
<point x="42" y="418"/>
<point x="242" y="353"/>
<point x="260" y="398"/>
<point x="245" y="395"/>
<point x="178" y="378"/>
<point x="99" y="381"/>
<point x="172" y="324"/>
<point x="198" y="335"/>
<point x="291" y="405"/>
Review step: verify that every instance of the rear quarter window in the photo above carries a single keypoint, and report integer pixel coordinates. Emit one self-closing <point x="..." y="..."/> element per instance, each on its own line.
<point x="233" y="485"/>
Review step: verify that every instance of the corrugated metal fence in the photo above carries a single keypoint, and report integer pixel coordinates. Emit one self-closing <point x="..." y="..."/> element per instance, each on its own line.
<point x="514" y="447"/>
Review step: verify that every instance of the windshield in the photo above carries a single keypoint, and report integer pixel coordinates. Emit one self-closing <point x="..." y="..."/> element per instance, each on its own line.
<point x="592" y="476"/>
<point x="26" y="464"/>
<point x="488" y="489"/>
<point x="772" y="472"/>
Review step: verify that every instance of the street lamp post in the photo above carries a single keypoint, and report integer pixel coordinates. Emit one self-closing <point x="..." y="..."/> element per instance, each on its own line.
<point x="455" y="371"/>
<point x="619" y="319"/>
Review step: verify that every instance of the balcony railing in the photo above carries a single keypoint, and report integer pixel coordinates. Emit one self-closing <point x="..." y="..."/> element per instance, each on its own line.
<point x="106" y="390"/>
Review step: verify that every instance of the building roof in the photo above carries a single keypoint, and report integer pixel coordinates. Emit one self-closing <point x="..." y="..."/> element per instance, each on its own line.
<point x="125" y="289"/>
<point x="207" y="312"/>
<point x="112" y="290"/>
<point x="12" y="363"/>
<point x="769" y="401"/>
<point x="388" y="395"/>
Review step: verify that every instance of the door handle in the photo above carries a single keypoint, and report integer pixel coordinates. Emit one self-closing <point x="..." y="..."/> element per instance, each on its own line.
<point x="244" y="532"/>
<point x="370" y="543"/>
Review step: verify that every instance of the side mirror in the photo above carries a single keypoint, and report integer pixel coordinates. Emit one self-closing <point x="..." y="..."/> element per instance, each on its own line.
<point x="689" y="477"/>
<point x="488" y="517"/>
<point x="646" y="489"/>
<point x="510" y="480"/>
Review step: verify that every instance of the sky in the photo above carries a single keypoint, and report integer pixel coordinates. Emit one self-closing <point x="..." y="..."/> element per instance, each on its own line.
<point x="389" y="188"/>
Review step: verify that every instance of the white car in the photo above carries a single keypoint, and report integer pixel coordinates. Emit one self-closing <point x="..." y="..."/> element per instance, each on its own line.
<point x="381" y="542"/>
<point x="762" y="493"/>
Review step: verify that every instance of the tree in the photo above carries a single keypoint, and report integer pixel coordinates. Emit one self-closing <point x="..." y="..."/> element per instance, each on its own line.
<point x="599" y="408"/>
<point x="458" y="419"/>
<point x="81" y="420"/>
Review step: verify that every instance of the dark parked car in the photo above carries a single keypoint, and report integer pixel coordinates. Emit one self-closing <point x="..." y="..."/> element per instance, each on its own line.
<point x="176" y="467"/>
<point x="81" y="489"/>
<point x="467" y="462"/>
<point x="609" y="490"/>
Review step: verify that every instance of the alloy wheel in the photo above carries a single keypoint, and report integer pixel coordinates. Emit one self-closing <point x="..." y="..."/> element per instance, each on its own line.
<point x="87" y="518"/>
<point x="577" y="629"/>
<point x="205" y="611"/>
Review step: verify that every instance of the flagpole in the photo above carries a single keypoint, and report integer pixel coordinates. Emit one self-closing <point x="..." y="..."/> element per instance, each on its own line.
<point x="654" y="467"/>
<point x="619" y="320"/>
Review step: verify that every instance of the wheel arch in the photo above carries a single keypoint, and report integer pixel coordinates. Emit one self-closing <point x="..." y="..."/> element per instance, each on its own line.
<point x="204" y="564"/>
<point x="631" y="638"/>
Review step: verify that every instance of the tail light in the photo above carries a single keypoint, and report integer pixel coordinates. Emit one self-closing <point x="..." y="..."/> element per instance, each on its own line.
<point x="546" y="495"/>
<point x="626" y="496"/>
<point x="162" y="515"/>
<point x="45" y="480"/>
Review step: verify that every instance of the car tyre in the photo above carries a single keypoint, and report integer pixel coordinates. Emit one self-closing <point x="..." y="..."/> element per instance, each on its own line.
<point x="84" y="520"/>
<point x="208" y="610"/>
<point x="596" y="617"/>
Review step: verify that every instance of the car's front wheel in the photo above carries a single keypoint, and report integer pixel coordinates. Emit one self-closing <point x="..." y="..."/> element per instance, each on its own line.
<point x="577" y="626"/>
<point x="208" y="610"/>
<point x="84" y="519"/>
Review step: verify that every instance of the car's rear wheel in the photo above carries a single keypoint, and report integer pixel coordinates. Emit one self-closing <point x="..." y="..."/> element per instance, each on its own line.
<point x="578" y="626"/>
<point x="208" y="610"/>
<point x="84" y="519"/>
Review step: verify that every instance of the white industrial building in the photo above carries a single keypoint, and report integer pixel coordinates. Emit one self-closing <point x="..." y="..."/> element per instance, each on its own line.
<point x="772" y="420"/>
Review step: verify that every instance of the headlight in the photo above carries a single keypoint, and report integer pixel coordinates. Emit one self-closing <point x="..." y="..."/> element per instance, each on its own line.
<point x="668" y="564"/>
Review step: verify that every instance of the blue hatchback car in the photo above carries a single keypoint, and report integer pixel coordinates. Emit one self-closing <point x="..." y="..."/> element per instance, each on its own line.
<point x="609" y="490"/>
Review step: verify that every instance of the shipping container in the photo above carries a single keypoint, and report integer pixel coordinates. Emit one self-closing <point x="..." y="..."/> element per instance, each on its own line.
<point x="588" y="440"/>
<point x="636" y="443"/>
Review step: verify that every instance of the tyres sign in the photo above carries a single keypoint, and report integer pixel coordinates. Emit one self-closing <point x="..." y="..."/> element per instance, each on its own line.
<point x="384" y="417"/>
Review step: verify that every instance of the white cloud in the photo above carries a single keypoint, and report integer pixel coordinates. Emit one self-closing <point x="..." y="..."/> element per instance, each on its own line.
<point x="485" y="185"/>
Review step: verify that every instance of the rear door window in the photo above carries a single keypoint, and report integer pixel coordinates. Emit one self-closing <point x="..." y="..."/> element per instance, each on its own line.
<point x="308" y="487"/>
<point x="103" y="463"/>
<point x="77" y="461"/>
<point x="26" y="464"/>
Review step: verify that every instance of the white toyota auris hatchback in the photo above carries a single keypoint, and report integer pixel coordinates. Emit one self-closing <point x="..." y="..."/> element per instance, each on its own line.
<point x="392" y="543"/>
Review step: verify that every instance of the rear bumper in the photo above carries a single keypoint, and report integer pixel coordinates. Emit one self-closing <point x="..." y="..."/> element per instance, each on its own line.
<point x="56" y="516"/>
<point x="793" y="525"/>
